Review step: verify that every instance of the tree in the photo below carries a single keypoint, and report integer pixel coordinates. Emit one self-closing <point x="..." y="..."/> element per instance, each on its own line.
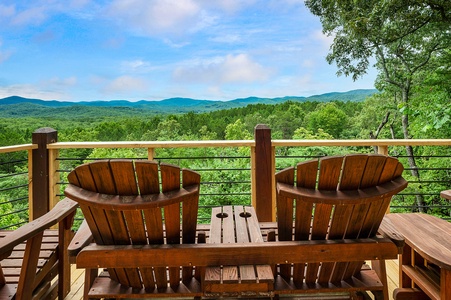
<point x="237" y="131"/>
<point x="327" y="117"/>
<point x="404" y="36"/>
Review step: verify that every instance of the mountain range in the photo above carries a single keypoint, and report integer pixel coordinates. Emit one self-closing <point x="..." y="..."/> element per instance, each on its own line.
<point x="16" y="106"/>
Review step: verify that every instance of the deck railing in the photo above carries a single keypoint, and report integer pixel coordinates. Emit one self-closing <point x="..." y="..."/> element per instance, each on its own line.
<point x="48" y="162"/>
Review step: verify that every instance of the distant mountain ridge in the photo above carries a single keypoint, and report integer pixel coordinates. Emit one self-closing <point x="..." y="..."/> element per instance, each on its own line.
<point x="16" y="106"/>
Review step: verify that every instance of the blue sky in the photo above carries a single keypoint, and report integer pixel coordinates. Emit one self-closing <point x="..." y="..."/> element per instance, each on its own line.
<point x="82" y="50"/>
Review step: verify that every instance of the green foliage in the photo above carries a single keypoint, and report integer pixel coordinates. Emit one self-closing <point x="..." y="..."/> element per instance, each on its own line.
<point x="8" y="216"/>
<point x="327" y="117"/>
<point x="237" y="131"/>
<point x="13" y="197"/>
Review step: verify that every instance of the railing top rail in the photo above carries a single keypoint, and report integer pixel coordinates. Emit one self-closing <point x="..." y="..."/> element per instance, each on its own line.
<point x="239" y="143"/>
<point x="153" y="144"/>
<point x="368" y="142"/>
<point x="16" y="148"/>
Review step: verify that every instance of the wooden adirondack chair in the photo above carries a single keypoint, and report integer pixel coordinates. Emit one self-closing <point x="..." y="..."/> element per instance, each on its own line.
<point x="129" y="202"/>
<point x="31" y="256"/>
<point x="337" y="199"/>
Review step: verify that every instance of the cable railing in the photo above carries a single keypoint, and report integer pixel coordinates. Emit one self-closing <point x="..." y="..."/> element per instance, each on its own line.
<point x="14" y="185"/>
<point x="230" y="170"/>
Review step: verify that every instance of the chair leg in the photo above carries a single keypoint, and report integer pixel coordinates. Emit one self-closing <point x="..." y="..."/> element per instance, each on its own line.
<point x="379" y="267"/>
<point x="90" y="276"/>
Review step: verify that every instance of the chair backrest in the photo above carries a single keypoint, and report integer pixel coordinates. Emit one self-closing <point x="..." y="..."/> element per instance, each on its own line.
<point x="128" y="202"/>
<point x="339" y="197"/>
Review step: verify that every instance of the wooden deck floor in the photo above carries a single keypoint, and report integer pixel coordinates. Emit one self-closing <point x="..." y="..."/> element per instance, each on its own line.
<point x="77" y="278"/>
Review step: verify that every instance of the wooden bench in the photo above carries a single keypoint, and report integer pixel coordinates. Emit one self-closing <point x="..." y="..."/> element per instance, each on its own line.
<point x="425" y="264"/>
<point x="231" y="225"/>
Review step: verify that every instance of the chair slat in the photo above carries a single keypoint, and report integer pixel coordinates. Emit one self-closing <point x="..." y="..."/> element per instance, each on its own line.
<point x="373" y="170"/>
<point x="390" y="171"/>
<point x="353" y="169"/>
<point x="147" y="176"/>
<point x="170" y="180"/>
<point x="306" y="177"/>
<point x="329" y="173"/>
<point x="84" y="178"/>
<point x="124" y="177"/>
<point x="306" y="174"/>
<point x="190" y="208"/>
<point x="103" y="178"/>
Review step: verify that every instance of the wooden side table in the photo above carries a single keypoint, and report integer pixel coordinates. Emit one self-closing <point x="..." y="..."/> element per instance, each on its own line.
<point x="236" y="224"/>
<point x="425" y="265"/>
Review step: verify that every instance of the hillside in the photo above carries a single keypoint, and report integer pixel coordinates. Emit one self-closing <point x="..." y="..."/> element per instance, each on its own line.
<point x="14" y="107"/>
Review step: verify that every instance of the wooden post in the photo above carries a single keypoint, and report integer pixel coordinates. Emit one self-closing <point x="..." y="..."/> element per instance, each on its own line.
<point x="54" y="177"/>
<point x="30" y="186"/>
<point x="263" y="173"/>
<point x="382" y="150"/>
<point x="40" y="173"/>
<point x="150" y="153"/>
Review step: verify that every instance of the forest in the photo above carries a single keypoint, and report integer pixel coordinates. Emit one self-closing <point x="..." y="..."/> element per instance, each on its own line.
<point x="411" y="46"/>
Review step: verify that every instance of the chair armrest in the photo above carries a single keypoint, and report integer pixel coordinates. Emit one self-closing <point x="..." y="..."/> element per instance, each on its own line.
<point x="388" y="230"/>
<point x="62" y="209"/>
<point x="130" y="202"/>
<point x="82" y="238"/>
<point x="446" y="194"/>
<point x="336" y="197"/>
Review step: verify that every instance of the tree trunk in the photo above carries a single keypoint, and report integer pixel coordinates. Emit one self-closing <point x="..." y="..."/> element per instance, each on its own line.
<point x="410" y="154"/>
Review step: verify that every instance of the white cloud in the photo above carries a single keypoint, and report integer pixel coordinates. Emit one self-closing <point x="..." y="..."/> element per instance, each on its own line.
<point x="241" y="68"/>
<point x="229" y="6"/>
<point x="34" y="13"/>
<point x="7" y="10"/>
<point x="4" y="55"/>
<point x="79" y="3"/>
<point x="55" y="88"/>
<point x="125" y="84"/>
<point x="308" y="63"/>
<point x="31" y="91"/>
<point x="61" y="82"/>
<point x="229" y="69"/>
<point x="136" y="66"/>
<point x="173" y="44"/>
<point x="291" y="2"/>
<point x="227" y="38"/>
<point x="31" y="16"/>
<point x="159" y="16"/>
<point x="326" y="41"/>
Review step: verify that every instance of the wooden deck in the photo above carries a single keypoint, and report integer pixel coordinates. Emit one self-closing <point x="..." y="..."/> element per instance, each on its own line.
<point x="77" y="278"/>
